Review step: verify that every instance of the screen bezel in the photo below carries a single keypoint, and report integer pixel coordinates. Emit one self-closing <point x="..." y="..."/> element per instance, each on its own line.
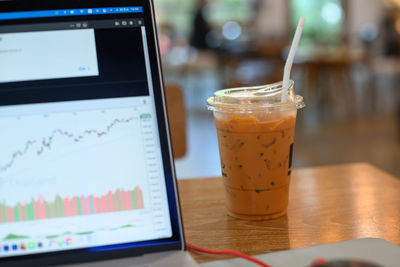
<point x="176" y="242"/>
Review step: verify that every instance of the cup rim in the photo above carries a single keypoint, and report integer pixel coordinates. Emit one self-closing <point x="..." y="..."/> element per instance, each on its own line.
<point x="216" y="103"/>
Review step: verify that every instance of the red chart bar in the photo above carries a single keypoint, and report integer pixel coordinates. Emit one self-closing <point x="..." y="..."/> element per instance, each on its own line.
<point x="41" y="208"/>
<point x="74" y="207"/>
<point x="87" y="202"/>
<point x="127" y="201"/>
<point x="10" y="214"/>
<point x="96" y="205"/>
<point x="103" y="204"/>
<point x="68" y="212"/>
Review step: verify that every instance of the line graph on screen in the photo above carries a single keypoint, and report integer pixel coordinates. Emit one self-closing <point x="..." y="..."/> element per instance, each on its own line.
<point x="46" y="142"/>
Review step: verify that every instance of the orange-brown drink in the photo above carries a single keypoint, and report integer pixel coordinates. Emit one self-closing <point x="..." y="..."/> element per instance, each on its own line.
<point x="255" y="134"/>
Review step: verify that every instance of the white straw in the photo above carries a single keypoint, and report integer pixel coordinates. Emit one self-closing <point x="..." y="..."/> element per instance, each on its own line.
<point x="289" y="60"/>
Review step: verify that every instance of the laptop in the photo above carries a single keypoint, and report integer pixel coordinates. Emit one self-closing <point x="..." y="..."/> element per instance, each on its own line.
<point x="86" y="169"/>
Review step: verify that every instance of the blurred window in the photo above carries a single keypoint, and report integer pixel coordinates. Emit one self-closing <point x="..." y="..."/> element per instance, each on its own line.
<point x="219" y="12"/>
<point x="216" y="12"/>
<point x="177" y="14"/>
<point x="325" y="19"/>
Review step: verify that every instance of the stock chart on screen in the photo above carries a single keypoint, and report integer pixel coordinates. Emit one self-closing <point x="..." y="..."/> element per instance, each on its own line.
<point x="87" y="172"/>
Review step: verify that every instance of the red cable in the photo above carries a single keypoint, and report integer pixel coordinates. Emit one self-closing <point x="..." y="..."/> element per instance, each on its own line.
<point x="228" y="252"/>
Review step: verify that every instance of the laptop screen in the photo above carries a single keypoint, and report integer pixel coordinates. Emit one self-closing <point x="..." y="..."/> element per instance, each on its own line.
<point x="81" y="163"/>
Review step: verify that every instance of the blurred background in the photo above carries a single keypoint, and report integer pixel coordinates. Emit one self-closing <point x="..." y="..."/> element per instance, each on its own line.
<point x="347" y="68"/>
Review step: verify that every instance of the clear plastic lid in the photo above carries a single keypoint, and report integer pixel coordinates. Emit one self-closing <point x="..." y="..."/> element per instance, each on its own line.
<point x="248" y="99"/>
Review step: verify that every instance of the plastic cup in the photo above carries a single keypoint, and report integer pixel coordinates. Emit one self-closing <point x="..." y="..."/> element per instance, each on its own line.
<point x="255" y="136"/>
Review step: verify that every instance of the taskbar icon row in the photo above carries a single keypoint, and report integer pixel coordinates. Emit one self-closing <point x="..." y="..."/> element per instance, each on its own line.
<point x="14" y="246"/>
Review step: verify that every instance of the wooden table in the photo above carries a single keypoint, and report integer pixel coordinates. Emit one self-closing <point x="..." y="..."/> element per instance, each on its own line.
<point x="326" y="205"/>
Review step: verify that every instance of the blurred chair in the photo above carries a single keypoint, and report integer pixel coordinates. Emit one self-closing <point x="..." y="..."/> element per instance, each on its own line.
<point x="176" y="117"/>
<point x="388" y="68"/>
<point x="328" y="69"/>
